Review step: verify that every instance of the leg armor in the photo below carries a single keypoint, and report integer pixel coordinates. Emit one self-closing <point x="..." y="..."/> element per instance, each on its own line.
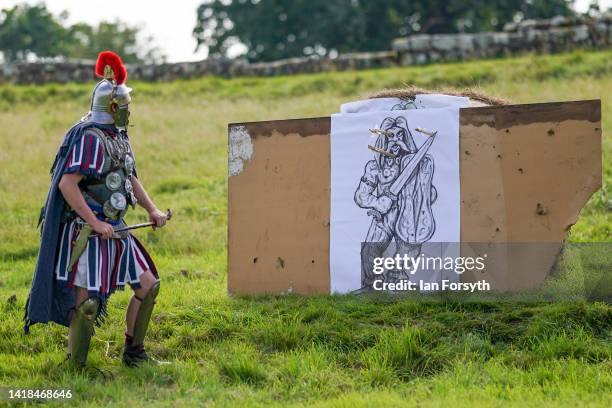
<point x="144" y="314"/>
<point x="134" y="352"/>
<point x="84" y="318"/>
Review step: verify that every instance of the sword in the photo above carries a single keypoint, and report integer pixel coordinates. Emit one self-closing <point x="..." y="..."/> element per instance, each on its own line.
<point x="137" y="226"/>
<point x="86" y="232"/>
<point x="414" y="162"/>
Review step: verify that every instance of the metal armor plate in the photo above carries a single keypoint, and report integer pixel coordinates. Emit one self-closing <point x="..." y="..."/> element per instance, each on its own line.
<point x="129" y="189"/>
<point x="118" y="201"/>
<point x="109" y="211"/>
<point x="129" y="164"/>
<point x="113" y="181"/>
<point x="128" y="186"/>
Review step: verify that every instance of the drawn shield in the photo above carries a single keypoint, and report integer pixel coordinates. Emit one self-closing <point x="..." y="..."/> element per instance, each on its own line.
<point x="415" y="222"/>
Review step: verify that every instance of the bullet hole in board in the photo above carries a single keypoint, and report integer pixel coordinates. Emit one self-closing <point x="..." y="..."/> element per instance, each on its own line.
<point x="541" y="209"/>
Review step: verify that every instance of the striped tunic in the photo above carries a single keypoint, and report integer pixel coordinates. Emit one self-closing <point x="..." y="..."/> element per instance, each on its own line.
<point x="106" y="264"/>
<point x="87" y="156"/>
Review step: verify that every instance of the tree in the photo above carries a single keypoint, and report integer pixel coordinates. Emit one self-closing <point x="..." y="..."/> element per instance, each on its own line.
<point x="88" y="41"/>
<point x="33" y="31"/>
<point x="274" y="29"/>
<point x="28" y="30"/>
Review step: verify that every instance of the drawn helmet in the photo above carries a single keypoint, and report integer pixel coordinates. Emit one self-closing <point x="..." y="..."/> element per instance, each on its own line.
<point x="111" y="95"/>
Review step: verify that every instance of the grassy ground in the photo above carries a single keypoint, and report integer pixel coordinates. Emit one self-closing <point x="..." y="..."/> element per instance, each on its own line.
<point x="338" y="351"/>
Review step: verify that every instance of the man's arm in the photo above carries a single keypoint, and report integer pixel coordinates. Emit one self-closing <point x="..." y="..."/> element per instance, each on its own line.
<point x="69" y="186"/>
<point x="365" y="197"/>
<point x="155" y="215"/>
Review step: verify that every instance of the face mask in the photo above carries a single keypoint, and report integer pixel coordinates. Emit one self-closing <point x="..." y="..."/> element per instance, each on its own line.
<point x="122" y="116"/>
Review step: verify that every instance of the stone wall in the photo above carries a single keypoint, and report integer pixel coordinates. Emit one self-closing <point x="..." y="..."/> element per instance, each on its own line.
<point x="82" y="70"/>
<point x="547" y="36"/>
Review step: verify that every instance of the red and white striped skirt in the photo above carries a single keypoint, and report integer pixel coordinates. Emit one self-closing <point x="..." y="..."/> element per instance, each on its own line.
<point x="106" y="264"/>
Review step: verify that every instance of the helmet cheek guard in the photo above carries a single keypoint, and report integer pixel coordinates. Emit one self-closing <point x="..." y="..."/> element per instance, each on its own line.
<point x="122" y="116"/>
<point x="120" y="105"/>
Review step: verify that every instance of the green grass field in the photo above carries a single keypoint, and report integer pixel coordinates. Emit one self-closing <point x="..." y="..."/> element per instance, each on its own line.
<point x="341" y="351"/>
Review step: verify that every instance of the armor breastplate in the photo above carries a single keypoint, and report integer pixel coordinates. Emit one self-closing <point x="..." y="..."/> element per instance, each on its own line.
<point x="111" y="194"/>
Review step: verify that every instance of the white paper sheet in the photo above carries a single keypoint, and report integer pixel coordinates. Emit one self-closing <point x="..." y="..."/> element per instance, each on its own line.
<point x="421" y="101"/>
<point x="359" y="176"/>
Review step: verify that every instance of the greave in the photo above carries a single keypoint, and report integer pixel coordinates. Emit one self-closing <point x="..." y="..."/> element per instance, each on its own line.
<point x="83" y="328"/>
<point x="144" y="314"/>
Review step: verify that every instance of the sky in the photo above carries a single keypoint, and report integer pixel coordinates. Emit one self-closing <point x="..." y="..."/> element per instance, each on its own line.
<point x="170" y="26"/>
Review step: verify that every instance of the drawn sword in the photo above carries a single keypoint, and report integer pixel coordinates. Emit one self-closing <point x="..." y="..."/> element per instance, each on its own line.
<point x="414" y="162"/>
<point x="86" y="232"/>
<point x="137" y="226"/>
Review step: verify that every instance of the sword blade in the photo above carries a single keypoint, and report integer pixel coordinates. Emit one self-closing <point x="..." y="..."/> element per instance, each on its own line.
<point x="405" y="175"/>
<point x="135" y="226"/>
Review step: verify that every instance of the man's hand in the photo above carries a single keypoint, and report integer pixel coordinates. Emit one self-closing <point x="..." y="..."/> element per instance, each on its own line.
<point x="392" y="197"/>
<point x="158" y="217"/>
<point x="105" y="230"/>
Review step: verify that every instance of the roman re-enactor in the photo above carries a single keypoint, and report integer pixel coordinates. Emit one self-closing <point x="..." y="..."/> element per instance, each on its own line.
<point x="86" y="252"/>
<point x="396" y="189"/>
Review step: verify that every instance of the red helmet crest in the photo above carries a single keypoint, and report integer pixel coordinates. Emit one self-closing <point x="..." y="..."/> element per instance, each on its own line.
<point x="110" y="66"/>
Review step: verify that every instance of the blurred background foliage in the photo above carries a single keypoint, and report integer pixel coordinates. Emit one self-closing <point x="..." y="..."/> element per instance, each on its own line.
<point x="276" y="29"/>
<point x="32" y="31"/>
<point x="265" y="30"/>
